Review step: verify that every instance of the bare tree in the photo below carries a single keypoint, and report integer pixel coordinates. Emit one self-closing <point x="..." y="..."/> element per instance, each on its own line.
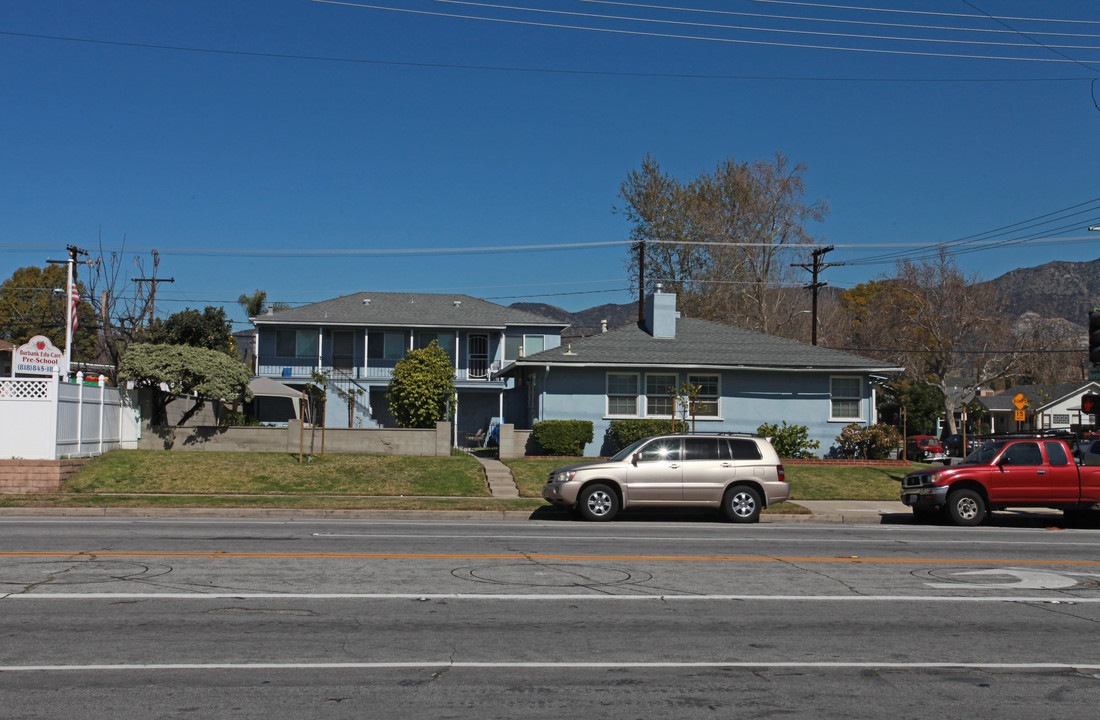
<point x="122" y="307"/>
<point x="941" y="325"/>
<point x="724" y="242"/>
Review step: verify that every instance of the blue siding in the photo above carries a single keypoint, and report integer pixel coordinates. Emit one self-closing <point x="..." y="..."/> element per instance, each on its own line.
<point x="747" y="400"/>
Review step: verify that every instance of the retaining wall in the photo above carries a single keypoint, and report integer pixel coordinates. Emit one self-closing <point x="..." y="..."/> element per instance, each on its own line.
<point x="295" y="438"/>
<point x="36" y="476"/>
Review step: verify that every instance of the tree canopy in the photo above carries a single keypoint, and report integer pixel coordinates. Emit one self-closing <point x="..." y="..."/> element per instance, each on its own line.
<point x="208" y="329"/>
<point x="938" y="323"/>
<point x="724" y="242"/>
<point x="173" y="371"/>
<point x="256" y="303"/>
<point x="33" y="302"/>
<point x="422" y="389"/>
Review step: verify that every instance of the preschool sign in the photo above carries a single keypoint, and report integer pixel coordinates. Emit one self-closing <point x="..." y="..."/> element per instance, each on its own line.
<point x="38" y="357"/>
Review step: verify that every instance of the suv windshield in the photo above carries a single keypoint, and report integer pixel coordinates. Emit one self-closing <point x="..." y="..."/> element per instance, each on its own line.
<point x="626" y="451"/>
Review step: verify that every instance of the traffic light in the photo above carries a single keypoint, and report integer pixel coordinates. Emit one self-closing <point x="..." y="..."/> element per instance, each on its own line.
<point x="1090" y="404"/>
<point x="1094" y="336"/>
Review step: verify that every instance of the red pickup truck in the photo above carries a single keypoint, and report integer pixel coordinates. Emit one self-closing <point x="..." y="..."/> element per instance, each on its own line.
<point x="1028" y="472"/>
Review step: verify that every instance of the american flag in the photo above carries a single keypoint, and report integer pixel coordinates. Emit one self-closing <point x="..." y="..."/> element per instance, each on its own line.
<point x="75" y="295"/>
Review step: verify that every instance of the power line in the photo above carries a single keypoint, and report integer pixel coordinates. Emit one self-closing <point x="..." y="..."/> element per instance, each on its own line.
<point x="845" y="21"/>
<point x="680" y="36"/>
<point x="521" y="69"/>
<point x="746" y="28"/>
<point x="817" y="5"/>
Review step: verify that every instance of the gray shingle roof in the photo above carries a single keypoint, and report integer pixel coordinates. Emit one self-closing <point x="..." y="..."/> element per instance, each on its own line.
<point x="1038" y="396"/>
<point x="405" y="310"/>
<point x="701" y="343"/>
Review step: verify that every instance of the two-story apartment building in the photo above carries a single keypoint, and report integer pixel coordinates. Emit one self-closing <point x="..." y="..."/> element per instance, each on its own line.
<point x="359" y="339"/>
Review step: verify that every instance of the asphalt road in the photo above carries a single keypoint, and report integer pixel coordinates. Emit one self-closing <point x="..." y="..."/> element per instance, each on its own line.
<point x="115" y="617"/>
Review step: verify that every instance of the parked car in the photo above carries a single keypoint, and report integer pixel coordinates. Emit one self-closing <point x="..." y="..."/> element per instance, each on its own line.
<point x="953" y="445"/>
<point x="1027" y="472"/>
<point x="924" y="448"/>
<point x="739" y="473"/>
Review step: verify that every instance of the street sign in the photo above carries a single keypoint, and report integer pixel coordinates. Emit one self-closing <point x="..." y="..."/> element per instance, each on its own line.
<point x="1021" y="415"/>
<point x="1019" y="401"/>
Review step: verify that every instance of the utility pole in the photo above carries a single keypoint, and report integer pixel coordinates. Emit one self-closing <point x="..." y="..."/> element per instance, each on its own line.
<point x="72" y="297"/>
<point x="815" y="269"/>
<point x="639" y="247"/>
<point x="153" y="281"/>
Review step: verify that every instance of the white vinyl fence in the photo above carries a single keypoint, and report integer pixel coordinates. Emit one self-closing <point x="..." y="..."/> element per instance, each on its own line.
<point x="47" y="419"/>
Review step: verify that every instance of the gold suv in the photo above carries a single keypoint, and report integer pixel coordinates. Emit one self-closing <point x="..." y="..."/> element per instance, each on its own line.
<point x="739" y="473"/>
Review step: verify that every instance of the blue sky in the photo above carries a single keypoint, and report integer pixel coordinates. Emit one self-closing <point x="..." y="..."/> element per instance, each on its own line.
<point x="294" y="146"/>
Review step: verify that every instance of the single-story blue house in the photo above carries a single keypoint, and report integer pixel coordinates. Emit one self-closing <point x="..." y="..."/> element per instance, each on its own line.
<point x="744" y="379"/>
<point x="358" y="339"/>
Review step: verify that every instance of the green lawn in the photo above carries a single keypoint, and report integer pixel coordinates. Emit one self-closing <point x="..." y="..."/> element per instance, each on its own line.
<point x="158" y="478"/>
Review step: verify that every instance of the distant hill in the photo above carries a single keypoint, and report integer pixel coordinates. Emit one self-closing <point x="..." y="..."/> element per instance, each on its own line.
<point x="1067" y="290"/>
<point x="585" y="322"/>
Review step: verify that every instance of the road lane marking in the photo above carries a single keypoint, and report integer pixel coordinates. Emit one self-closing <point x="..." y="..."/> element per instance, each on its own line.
<point x="521" y="665"/>
<point x="541" y="556"/>
<point x="556" y="597"/>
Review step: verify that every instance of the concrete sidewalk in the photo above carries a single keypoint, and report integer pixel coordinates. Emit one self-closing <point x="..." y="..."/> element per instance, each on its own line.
<point x="851" y="512"/>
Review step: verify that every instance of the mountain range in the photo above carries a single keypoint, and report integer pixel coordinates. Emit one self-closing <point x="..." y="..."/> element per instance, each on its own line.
<point x="1059" y="289"/>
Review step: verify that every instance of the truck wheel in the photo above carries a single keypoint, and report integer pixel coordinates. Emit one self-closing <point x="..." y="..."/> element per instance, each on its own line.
<point x="598" y="502"/>
<point x="965" y="507"/>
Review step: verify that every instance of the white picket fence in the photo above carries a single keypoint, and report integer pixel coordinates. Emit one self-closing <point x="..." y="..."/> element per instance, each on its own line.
<point x="47" y="419"/>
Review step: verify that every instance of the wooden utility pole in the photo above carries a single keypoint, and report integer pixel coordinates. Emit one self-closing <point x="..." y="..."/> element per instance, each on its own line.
<point x="815" y="269"/>
<point x="153" y="281"/>
<point x="639" y="247"/>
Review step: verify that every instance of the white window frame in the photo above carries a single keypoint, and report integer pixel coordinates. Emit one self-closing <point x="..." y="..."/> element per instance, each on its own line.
<point x="309" y="338"/>
<point x="523" y="348"/>
<point x="664" y="397"/>
<point x="716" y="398"/>
<point x="608" y="395"/>
<point x="834" y="397"/>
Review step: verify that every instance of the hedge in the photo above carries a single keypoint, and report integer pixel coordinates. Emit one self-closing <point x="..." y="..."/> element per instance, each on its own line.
<point x="563" y="437"/>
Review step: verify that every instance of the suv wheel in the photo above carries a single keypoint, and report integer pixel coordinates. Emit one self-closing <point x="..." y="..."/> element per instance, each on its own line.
<point x="742" y="504"/>
<point x="598" y="502"/>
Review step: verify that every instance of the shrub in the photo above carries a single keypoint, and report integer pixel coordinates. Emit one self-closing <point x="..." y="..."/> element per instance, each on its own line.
<point x="626" y="432"/>
<point x="562" y="437"/>
<point x="871" y="442"/>
<point x="790" y="441"/>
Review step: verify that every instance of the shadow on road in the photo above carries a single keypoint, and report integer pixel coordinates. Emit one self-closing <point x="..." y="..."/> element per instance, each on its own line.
<point x="1004" y="519"/>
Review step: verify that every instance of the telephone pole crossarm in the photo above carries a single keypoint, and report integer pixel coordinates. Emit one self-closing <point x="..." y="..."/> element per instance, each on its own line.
<point x="815" y="268"/>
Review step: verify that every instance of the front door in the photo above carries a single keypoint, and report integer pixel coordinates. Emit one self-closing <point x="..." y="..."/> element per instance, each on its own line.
<point x="343" y="350"/>
<point x="478" y="356"/>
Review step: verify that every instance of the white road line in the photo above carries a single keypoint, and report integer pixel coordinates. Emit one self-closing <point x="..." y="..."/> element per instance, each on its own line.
<point x="429" y="664"/>
<point x="1050" y="599"/>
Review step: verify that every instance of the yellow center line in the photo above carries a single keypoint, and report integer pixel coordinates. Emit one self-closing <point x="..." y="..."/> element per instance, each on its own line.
<point x="539" y="556"/>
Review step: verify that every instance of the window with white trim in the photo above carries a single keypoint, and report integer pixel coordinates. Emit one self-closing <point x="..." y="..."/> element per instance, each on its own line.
<point x="445" y="340"/>
<point x="706" y="404"/>
<point x="845" y="395"/>
<point x="517" y="346"/>
<point x="296" y="343"/>
<point x="386" y="345"/>
<point x="622" y="394"/>
<point x="658" y="400"/>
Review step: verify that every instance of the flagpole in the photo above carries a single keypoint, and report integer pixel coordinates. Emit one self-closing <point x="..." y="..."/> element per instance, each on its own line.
<point x="69" y="319"/>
